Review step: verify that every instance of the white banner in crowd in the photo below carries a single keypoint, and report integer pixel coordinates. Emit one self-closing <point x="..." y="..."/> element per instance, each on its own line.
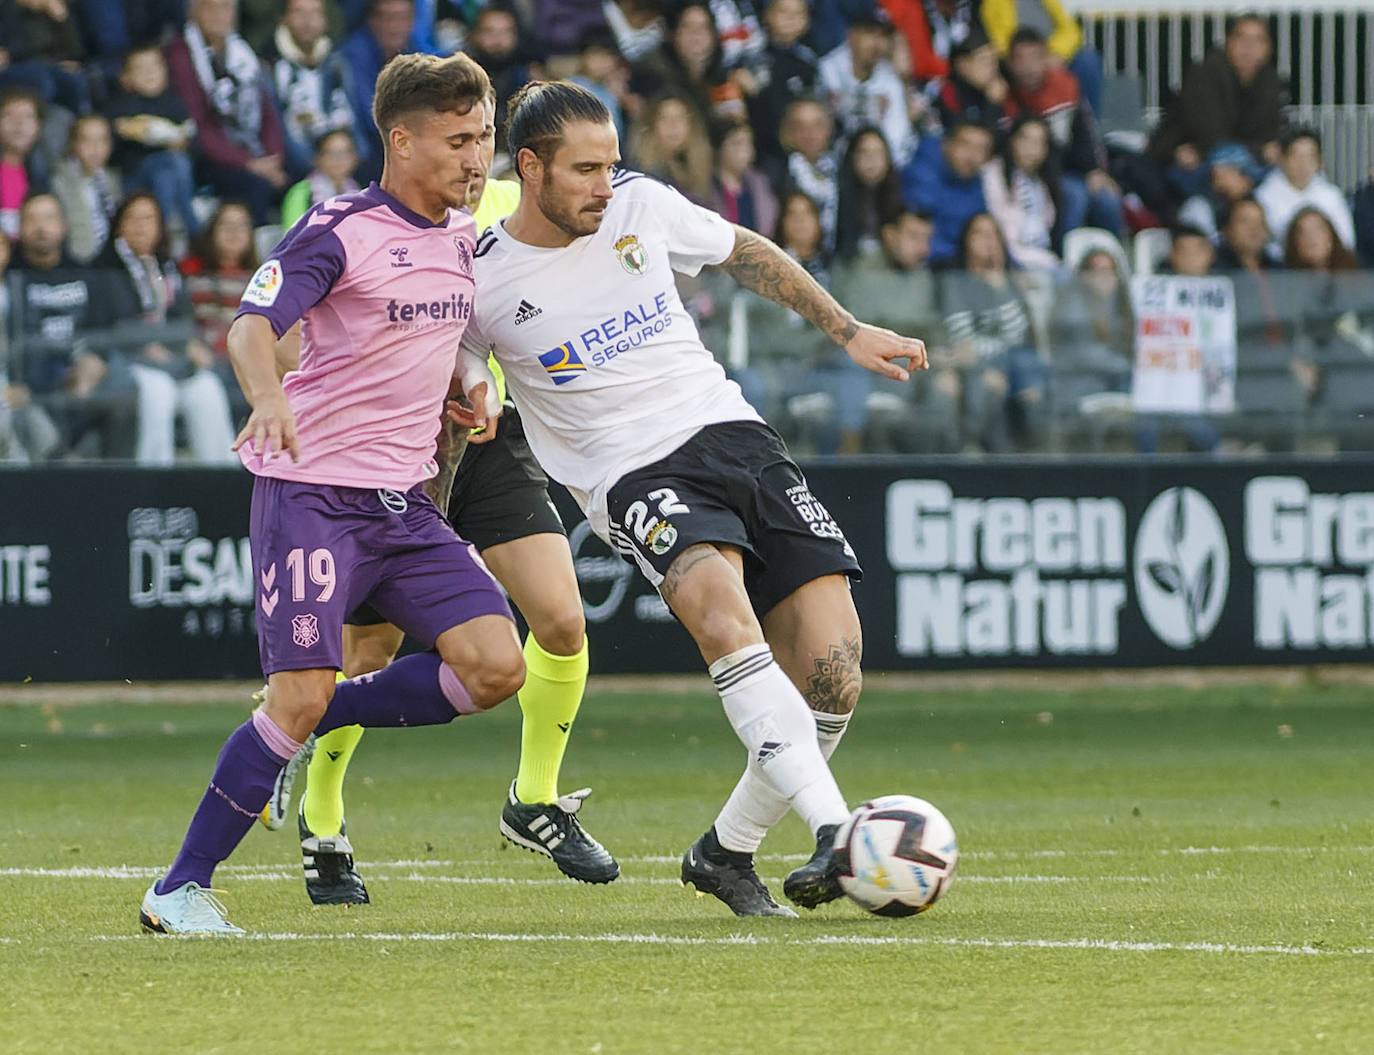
<point x="1185" y="345"/>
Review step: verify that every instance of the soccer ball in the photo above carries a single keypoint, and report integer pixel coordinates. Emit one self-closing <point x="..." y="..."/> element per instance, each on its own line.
<point x="896" y="855"/>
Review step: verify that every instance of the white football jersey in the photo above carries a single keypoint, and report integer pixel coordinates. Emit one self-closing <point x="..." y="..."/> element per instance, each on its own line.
<point x="600" y="355"/>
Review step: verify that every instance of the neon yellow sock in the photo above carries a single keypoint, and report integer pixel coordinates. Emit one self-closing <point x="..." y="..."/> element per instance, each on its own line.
<point x="548" y="704"/>
<point x="323" y="799"/>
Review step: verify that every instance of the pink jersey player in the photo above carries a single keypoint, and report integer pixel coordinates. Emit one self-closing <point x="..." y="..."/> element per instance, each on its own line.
<point x="377" y="352"/>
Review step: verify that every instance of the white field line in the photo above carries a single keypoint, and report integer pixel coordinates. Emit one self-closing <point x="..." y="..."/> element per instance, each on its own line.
<point x="255" y="873"/>
<point x="1033" y="855"/>
<point x="1087" y="944"/>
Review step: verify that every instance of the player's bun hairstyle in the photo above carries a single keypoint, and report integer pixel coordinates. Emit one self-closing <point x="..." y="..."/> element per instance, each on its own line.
<point x="413" y="83"/>
<point x="539" y="111"/>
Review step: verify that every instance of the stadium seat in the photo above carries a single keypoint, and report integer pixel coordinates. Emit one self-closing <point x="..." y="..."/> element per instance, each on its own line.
<point x="1081" y="241"/>
<point x="265" y="239"/>
<point x="1149" y="249"/>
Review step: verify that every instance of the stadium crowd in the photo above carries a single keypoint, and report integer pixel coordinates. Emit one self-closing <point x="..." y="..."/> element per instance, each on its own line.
<point x="939" y="164"/>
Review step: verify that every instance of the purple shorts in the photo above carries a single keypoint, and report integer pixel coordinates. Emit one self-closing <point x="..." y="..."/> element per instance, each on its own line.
<point x="319" y="551"/>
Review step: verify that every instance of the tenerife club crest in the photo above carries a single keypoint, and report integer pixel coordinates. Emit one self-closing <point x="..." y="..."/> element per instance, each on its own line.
<point x="464" y="256"/>
<point x="631" y="255"/>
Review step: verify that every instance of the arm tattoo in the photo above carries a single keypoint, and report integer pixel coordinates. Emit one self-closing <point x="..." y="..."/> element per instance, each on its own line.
<point x="834" y="688"/>
<point x="453" y="441"/>
<point x="761" y="267"/>
<point x="682" y="564"/>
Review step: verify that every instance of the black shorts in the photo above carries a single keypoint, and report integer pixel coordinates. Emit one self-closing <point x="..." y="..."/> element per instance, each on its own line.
<point x="499" y="495"/>
<point x="732" y="483"/>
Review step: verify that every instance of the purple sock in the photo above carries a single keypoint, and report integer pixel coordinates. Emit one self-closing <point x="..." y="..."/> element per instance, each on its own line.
<point x="239" y="789"/>
<point x="414" y="690"/>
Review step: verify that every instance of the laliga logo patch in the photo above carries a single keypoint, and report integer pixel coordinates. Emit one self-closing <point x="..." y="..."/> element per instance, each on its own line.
<point x="631" y="255"/>
<point x="305" y="631"/>
<point x="1182" y="567"/>
<point x="265" y="285"/>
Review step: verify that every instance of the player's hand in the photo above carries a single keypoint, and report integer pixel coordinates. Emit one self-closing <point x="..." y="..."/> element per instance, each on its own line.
<point x="879" y="350"/>
<point x="271" y="428"/>
<point x="470" y="410"/>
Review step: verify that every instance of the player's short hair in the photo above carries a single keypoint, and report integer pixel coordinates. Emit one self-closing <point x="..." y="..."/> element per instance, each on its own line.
<point x="538" y="113"/>
<point x="412" y="83"/>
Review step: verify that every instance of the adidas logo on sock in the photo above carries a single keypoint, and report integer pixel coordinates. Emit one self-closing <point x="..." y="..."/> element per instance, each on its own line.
<point x="527" y="311"/>
<point x="770" y="749"/>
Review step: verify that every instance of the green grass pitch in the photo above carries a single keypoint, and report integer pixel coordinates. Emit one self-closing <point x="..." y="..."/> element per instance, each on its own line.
<point x="1144" y="869"/>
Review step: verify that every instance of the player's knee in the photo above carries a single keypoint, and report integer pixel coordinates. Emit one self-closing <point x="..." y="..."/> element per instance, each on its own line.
<point x="499" y="677"/>
<point x="295" y="705"/>
<point x="561" y="632"/>
<point x="722" y="631"/>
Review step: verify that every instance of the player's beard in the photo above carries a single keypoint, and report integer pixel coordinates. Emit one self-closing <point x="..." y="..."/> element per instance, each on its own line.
<point x="574" y="223"/>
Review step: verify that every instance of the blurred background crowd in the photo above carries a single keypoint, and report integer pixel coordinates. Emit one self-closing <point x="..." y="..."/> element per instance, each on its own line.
<point x="961" y="170"/>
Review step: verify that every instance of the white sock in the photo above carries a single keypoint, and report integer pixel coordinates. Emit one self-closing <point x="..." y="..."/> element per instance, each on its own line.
<point x="773" y="722"/>
<point x="754" y="807"/>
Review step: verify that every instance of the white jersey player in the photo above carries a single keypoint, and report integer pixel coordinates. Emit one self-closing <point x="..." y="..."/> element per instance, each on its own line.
<point x="624" y="405"/>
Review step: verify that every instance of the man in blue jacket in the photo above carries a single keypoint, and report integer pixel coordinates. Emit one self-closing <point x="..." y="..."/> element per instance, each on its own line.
<point x="943" y="180"/>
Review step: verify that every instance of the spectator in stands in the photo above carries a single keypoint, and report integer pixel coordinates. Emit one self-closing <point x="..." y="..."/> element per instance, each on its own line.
<point x="1298" y="183"/>
<point x="336" y="159"/>
<point x="1334" y="299"/>
<point x="21" y="170"/>
<point x="153" y="136"/>
<point x="88" y="190"/>
<point x="85" y="387"/>
<point x="494" y="44"/>
<point x="892" y="286"/>
<point x="602" y="71"/>
<point x="562" y="27"/>
<point x="739" y="191"/>
<point x="840" y="425"/>
<point x="740" y="34"/>
<point x="931" y="30"/>
<point x="1021" y="186"/>
<point x="812" y="168"/>
<point x="688" y="65"/>
<point x="1190" y="253"/>
<point x="1363" y="213"/>
<point x="989" y="331"/>
<point x="308" y="83"/>
<point x="975" y="89"/>
<point x="1232" y="173"/>
<point x="386" y="32"/>
<point x="27" y="433"/>
<point x="217" y="75"/>
<point x="1060" y="31"/>
<point x="110" y="29"/>
<point x="1093" y="333"/>
<point x="171" y="365"/>
<point x="1088" y="194"/>
<point x="862" y="87"/>
<point x="637" y="25"/>
<point x="787" y="71"/>
<point x="1233" y="95"/>
<point x="669" y="142"/>
<point x="943" y="179"/>
<point x="217" y="273"/>
<point x="870" y="193"/>
<point x="44" y="52"/>
<point x="1267" y="345"/>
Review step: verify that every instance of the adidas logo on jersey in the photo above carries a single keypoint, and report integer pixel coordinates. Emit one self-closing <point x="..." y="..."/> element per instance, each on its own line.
<point x="527" y="311"/>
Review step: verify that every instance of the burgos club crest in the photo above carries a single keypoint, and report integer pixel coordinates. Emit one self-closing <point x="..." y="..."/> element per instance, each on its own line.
<point x="631" y="255"/>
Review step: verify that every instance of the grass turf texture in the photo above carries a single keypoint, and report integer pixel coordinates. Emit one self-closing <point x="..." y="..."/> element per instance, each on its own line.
<point x="1146" y="869"/>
